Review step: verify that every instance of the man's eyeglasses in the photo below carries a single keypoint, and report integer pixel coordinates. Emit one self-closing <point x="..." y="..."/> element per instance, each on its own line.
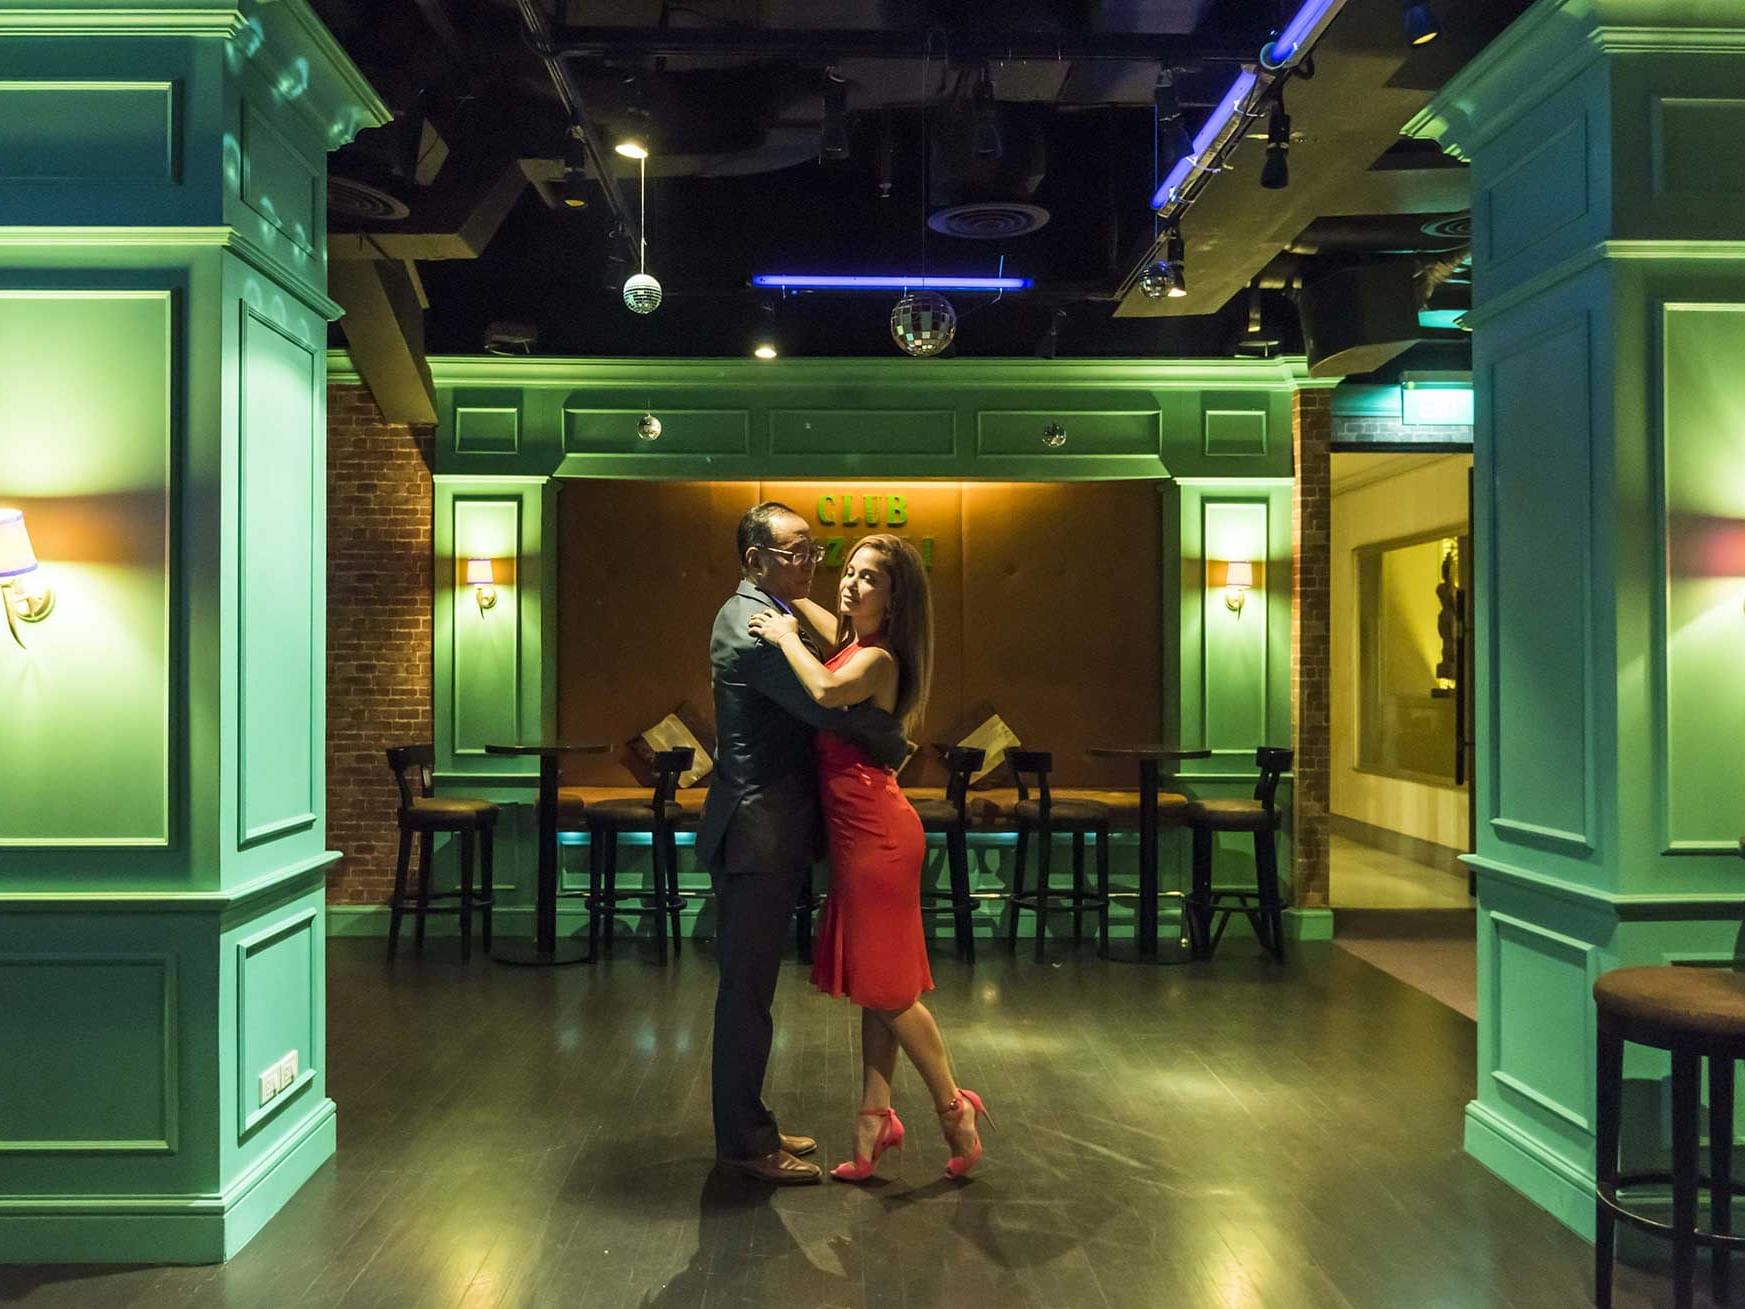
<point x="813" y="554"/>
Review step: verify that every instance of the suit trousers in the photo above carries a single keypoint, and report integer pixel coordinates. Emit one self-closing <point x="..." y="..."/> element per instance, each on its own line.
<point x="753" y="911"/>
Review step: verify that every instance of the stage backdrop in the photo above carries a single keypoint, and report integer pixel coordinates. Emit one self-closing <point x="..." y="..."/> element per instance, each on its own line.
<point x="1046" y="599"/>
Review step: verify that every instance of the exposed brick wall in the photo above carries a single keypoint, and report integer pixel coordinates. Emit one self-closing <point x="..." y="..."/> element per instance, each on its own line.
<point x="379" y="548"/>
<point x="1351" y="430"/>
<point x="1311" y="661"/>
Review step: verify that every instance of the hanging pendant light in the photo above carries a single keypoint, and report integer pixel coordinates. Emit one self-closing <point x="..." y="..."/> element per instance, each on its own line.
<point x="641" y="291"/>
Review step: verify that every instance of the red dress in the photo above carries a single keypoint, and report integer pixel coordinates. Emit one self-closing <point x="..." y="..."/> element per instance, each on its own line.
<point x="870" y="944"/>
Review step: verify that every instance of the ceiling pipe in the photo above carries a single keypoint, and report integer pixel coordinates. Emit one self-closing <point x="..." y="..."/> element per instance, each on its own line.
<point x="538" y="31"/>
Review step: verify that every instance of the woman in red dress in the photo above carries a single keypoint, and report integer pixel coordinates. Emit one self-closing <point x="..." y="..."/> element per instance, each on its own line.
<point x="870" y="945"/>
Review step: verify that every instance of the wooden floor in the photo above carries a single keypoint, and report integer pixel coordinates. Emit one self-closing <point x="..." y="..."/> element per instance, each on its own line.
<point x="1232" y="1134"/>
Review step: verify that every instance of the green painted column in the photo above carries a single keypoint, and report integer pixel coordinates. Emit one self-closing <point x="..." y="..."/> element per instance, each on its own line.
<point x="163" y="327"/>
<point x="1608" y="170"/>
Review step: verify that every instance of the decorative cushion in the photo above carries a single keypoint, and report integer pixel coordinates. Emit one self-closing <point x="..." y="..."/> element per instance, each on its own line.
<point x="994" y="738"/>
<point x="682" y="727"/>
<point x="1229" y="815"/>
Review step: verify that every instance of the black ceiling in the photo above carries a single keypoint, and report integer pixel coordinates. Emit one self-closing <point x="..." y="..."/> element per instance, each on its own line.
<point x="732" y="93"/>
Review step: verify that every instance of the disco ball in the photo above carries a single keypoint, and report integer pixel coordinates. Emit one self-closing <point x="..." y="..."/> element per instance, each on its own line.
<point x="923" y="324"/>
<point x="641" y="293"/>
<point x="1154" y="282"/>
<point x="1054" y="436"/>
<point x="648" y="428"/>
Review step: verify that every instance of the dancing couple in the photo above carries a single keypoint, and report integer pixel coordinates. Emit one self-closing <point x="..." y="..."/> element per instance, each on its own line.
<point x="811" y="711"/>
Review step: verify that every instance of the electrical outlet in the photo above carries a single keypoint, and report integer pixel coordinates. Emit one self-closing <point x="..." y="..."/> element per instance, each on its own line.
<point x="269" y="1084"/>
<point x="287" y="1070"/>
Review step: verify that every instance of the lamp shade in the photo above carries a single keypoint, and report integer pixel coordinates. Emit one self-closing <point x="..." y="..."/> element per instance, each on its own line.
<point x="479" y="573"/>
<point x="16" y="556"/>
<point x="1239" y="572"/>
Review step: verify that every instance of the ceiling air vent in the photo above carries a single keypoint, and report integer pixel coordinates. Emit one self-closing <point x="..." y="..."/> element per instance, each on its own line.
<point x="355" y="199"/>
<point x="992" y="220"/>
<point x="1457" y="227"/>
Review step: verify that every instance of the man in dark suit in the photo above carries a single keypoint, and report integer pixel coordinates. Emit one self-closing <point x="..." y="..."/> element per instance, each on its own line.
<point x="762" y="829"/>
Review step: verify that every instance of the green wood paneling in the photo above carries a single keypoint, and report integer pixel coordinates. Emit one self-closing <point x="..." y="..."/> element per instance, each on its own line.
<point x="47" y="129"/>
<point x="276" y="619"/>
<point x="487" y="421"/>
<point x="1235" y="650"/>
<point x="1233" y="424"/>
<point x="1020" y="432"/>
<point x="853" y="432"/>
<point x="279" y="183"/>
<point x="86" y="453"/>
<point x="52" y="1097"/>
<point x="276" y="1009"/>
<point x="595" y="431"/>
<point x="1541" y="737"/>
<point x="1702" y="451"/>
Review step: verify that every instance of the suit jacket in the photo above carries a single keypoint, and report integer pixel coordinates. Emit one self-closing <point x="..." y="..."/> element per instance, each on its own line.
<point x="765" y="790"/>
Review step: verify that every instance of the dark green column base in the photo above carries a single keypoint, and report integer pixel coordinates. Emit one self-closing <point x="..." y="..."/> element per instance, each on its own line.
<point x="166" y="1229"/>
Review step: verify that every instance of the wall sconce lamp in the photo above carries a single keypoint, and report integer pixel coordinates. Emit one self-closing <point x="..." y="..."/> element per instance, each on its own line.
<point x="484" y="583"/>
<point x="29" y="604"/>
<point x="1237" y="578"/>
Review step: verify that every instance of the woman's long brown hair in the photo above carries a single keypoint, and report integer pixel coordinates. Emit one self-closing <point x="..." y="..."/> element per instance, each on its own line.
<point x="908" y="627"/>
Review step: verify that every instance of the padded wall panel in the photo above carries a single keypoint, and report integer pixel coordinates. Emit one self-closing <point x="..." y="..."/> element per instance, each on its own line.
<point x="276" y="636"/>
<point x="1046" y="605"/>
<point x="86" y="452"/>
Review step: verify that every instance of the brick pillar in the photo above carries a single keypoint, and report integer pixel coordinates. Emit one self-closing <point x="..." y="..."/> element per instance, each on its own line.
<point x="1311" y="616"/>
<point x="379" y="549"/>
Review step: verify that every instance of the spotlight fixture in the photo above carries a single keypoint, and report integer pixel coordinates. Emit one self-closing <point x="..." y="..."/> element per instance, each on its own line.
<point x="641" y="291"/>
<point x="1421" y="25"/>
<point x="1173" y="141"/>
<point x="632" y="149"/>
<point x="984" y="118"/>
<point x="1048" y="347"/>
<point x="833" y="137"/>
<point x="765" y="343"/>
<point x="570" y="191"/>
<point x="1176" y="266"/>
<point x="1275" y="173"/>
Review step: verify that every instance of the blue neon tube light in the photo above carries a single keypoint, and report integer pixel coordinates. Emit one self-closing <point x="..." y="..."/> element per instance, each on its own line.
<point x="1298" y="32"/>
<point x="854" y="282"/>
<point x="1209" y="133"/>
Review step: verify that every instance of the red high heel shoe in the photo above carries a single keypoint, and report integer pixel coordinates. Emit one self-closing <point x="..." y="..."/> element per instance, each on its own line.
<point x="960" y="1164"/>
<point x="890" y="1137"/>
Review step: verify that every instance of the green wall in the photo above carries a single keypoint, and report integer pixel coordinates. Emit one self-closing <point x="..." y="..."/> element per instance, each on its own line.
<point x="162" y="842"/>
<point x="1609" y="281"/>
<point x="1218" y="431"/>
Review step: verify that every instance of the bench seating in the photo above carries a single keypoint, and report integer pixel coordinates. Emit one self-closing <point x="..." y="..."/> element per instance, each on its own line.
<point x="988" y="811"/>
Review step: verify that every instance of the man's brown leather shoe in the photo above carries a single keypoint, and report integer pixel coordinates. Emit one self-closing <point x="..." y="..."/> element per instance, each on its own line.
<point x="798" y="1145"/>
<point x="778" y="1169"/>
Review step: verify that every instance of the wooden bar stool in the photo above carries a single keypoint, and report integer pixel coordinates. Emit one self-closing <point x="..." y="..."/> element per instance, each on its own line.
<point x="1693" y="1014"/>
<point x="950" y="818"/>
<point x="660" y="816"/>
<point x="1043" y="817"/>
<point x="423" y="814"/>
<point x="1260" y="816"/>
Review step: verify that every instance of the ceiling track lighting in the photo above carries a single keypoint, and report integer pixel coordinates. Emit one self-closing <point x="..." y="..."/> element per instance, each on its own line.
<point x="897" y="282"/>
<point x="1420" y="22"/>
<point x="1175" y="265"/>
<point x="1275" y="173"/>
<point x="571" y="191"/>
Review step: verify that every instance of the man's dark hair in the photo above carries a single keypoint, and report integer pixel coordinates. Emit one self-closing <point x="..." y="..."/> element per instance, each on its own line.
<point x="754" y="526"/>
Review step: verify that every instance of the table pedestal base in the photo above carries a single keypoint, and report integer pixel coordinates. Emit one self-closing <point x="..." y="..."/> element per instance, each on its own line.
<point x="528" y="953"/>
